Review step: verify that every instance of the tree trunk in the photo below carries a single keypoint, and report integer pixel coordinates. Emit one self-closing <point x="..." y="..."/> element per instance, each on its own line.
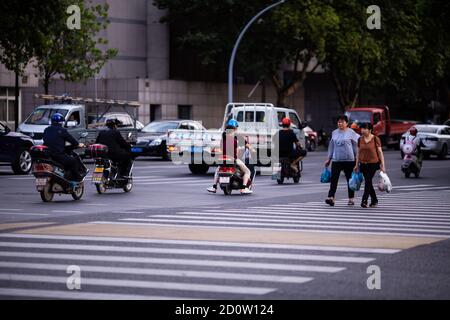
<point x="16" y="100"/>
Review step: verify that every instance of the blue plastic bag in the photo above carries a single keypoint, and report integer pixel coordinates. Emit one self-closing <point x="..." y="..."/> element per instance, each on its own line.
<point x="355" y="181"/>
<point x="325" y="177"/>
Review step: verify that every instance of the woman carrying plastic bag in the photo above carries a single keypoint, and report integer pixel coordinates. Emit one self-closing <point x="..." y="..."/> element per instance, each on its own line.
<point x="370" y="160"/>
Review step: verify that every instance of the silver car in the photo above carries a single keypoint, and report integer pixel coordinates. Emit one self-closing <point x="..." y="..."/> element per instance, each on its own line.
<point x="436" y="139"/>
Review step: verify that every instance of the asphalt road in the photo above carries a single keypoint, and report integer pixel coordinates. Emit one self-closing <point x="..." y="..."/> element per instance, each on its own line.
<point x="168" y="238"/>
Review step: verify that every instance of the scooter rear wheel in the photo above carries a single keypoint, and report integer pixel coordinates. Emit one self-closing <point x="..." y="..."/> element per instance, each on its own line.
<point x="46" y="193"/>
<point x="227" y="190"/>
<point x="128" y="187"/>
<point x="100" y="188"/>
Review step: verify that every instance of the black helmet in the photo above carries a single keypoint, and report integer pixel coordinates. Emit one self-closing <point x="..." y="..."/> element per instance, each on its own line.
<point x="111" y="123"/>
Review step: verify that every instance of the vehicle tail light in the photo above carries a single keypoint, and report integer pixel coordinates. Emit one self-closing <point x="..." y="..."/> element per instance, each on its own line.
<point x="227" y="170"/>
<point x="42" y="167"/>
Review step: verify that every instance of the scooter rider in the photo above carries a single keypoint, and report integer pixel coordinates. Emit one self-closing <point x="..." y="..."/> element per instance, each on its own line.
<point x="230" y="148"/>
<point x="118" y="148"/>
<point x="285" y="140"/>
<point x="412" y="136"/>
<point x="55" y="138"/>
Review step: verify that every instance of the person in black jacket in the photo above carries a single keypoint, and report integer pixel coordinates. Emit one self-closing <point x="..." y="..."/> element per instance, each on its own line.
<point x="118" y="148"/>
<point x="55" y="138"/>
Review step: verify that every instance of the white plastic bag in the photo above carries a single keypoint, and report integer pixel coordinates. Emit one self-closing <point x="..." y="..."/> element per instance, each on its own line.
<point x="385" y="183"/>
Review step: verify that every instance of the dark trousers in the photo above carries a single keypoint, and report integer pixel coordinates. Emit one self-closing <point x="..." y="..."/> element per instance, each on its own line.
<point x="123" y="160"/>
<point x="368" y="170"/>
<point x="336" y="168"/>
<point x="70" y="164"/>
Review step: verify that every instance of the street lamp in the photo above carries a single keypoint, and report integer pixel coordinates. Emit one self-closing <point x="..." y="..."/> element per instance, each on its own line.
<point x="236" y="45"/>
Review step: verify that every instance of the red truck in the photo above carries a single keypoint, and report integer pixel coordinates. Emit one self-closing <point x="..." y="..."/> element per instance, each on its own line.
<point x="389" y="131"/>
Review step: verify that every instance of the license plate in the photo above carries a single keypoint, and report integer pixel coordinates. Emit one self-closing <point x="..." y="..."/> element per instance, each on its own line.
<point x="136" y="149"/>
<point x="41" y="182"/>
<point x="97" y="177"/>
<point x="98" y="170"/>
<point x="224" y="180"/>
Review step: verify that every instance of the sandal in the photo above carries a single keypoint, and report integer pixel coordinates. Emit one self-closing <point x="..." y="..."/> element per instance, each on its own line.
<point x="364" y="204"/>
<point x="374" y="204"/>
<point x="351" y="202"/>
<point x="330" y="201"/>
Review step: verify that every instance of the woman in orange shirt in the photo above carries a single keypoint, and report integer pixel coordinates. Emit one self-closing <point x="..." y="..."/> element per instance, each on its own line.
<point x="370" y="159"/>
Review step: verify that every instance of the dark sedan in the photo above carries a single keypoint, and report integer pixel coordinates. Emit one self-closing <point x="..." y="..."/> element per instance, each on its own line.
<point x="152" y="140"/>
<point x="15" y="150"/>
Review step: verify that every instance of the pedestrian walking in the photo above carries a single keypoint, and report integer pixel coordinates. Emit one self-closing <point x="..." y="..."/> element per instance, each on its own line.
<point x="342" y="154"/>
<point x="370" y="159"/>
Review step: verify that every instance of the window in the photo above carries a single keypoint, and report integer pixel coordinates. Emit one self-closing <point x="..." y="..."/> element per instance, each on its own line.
<point x="75" y="116"/>
<point x="445" y="131"/>
<point x="295" y="120"/>
<point x="281" y="115"/>
<point x="196" y="126"/>
<point x="3" y="110"/>
<point x="160" y="126"/>
<point x="185" y="112"/>
<point x="240" y="116"/>
<point x="126" y="121"/>
<point x="249" y="116"/>
<point x="184" y="126"/>
<point x="260" y="116"/>
<point x="376" y="118"/>
<point x="42" y="116"/>
<point x="155" y="112"/>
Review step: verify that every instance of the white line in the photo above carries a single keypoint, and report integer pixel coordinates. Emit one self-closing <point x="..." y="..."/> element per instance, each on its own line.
<point x="201" y="243"/>
<point x="67" y="211"/>
<point x="163" y="285"/>
<point x="11" y="209"/>
<point x="327" y="209"/>
<point x="271" y="217"/>
<point x="183" y="262"/>
<point x="218" y="253"/>
<point x="24" y="214"/>
<point x="333" y="222"/>
<point x="162" y="272"/>
<point x="330" y="213"/>
<point x="54" y="294"/>
<point x="212" y="223"/>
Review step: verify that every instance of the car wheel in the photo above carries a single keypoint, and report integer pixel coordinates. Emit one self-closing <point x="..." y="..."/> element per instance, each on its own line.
<point x="22" y="164"/>
<point x="444" y="152"/>
<point x="198" y="168"/>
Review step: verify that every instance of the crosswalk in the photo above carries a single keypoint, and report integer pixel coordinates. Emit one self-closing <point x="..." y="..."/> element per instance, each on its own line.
<point x="422" y="213"/>
<point x="35" y="266"/>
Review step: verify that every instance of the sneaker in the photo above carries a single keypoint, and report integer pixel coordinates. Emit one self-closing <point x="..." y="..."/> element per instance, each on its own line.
<point x="211" y="189"/>
<point x="374" y="204"/>
<point x="246" y="191"/>
<point x="364" y="204"/>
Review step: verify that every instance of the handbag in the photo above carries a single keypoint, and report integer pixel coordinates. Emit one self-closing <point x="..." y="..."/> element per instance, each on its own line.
<point x="355" y="181"/>
<point x="325" y="177"/>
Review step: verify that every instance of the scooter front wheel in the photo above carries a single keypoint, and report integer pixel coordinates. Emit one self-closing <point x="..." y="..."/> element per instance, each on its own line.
<point x="78" y="192"/>
<point x="128" y="187"/>
<point x="46" y="193"/>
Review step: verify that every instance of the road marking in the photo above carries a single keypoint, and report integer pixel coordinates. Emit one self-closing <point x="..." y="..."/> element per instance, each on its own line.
<point x="200" y="252"/>
<point x="11" y="209"/>
<point x="163" y="272"/>
<point x="201" y="243"/>
<point x="164" y="261"/>
<point x="141" y="284"/>
<point x="67" y="211"/>
<point x="56" y="294"/>
<point x="13" y="225"/>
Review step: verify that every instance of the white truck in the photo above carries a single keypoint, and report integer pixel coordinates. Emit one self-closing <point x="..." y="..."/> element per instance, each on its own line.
<point x="258" y="122"/>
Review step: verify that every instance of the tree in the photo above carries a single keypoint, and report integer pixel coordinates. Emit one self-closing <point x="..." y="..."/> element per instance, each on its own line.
<point x="358" y="56"/>
<point x="21" y="30"/>
<point x="74" y="54"/>
<point x="293" y="33"/>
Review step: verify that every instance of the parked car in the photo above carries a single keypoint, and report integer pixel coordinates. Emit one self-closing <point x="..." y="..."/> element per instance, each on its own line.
<point x="312" y="139"/>
<point x="15" y="150"/>
<point x="152" y="140"/>
<point x="436" y="139"/>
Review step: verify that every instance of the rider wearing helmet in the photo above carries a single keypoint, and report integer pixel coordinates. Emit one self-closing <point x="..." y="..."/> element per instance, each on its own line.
<point x="231" y="148"/>
<point x="284" y="142"/>
<point x="55" y="138"/>
<point x="118" y="148"/>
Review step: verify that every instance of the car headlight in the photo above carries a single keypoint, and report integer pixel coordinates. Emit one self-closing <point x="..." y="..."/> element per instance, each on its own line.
<point x="156" y="142"/>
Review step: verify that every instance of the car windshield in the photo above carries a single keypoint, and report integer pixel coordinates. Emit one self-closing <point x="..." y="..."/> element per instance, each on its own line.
<point x="42" y="116"/>
<point x="160" y="126"/>
<point x="359" y="116"/>
<point x="427" y="129"/>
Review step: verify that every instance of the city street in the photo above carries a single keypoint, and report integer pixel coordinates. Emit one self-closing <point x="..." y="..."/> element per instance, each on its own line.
<point x="170" y="239"/>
